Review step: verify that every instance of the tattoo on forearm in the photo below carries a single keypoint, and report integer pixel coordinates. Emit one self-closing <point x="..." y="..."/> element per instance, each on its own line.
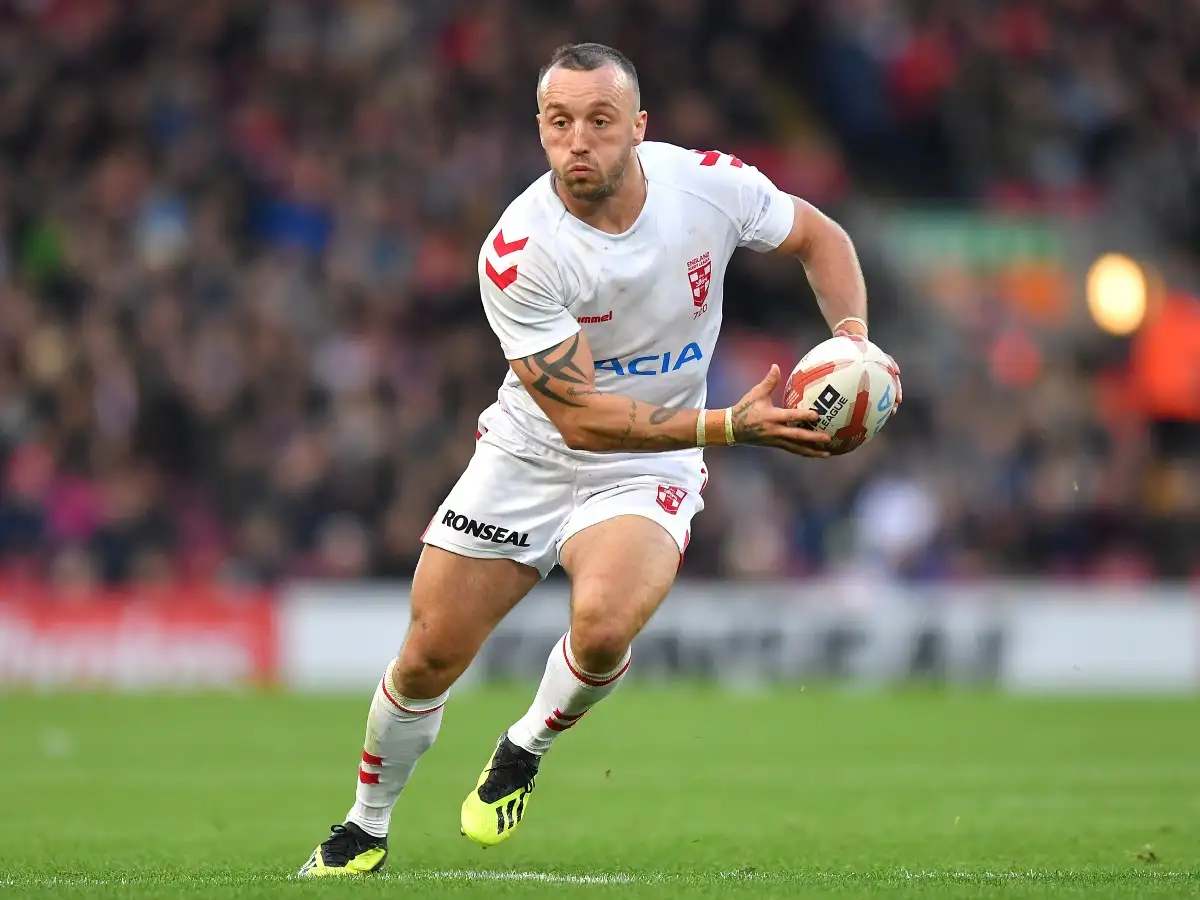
<point x="664" y="414"/>
<point x="561" y="367"/>
<point x="582" y="392"/>
<point x="624" y="439"/>
<point x="559" y="377"/>
<point x="628" y="440"/>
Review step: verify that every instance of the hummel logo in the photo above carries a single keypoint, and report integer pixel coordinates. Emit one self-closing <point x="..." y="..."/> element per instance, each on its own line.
<point x="594" y="320"/>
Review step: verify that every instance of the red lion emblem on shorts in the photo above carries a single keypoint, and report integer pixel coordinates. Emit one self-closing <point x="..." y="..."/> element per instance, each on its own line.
<point x="670" y="497"/>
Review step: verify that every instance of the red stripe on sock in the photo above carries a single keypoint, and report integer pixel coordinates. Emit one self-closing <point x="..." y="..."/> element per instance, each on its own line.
<point x="405" y="709"/>
<point x="560" y="721"/>
<point x="586" y="679"/>
<point x="367" y="777"/>
<point x="372" y="760"/>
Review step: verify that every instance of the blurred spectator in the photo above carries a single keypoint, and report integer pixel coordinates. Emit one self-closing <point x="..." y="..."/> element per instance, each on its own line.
<point x="239" y="330"/>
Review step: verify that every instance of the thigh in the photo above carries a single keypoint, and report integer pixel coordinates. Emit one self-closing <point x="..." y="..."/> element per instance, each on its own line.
<point x="489" y="543"/>
<point x="621" y="570"/>
<point x="623" y="542"/>
<point x="456" y="603"/>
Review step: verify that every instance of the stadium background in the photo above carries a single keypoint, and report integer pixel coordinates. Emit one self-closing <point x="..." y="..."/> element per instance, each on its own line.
<point x="241" y="358"/>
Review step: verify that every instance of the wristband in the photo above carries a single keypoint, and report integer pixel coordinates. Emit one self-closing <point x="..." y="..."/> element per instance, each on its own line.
<point x="862" y="322"/>
<point x="729" y="438"/>
<point x="701" y="436"/>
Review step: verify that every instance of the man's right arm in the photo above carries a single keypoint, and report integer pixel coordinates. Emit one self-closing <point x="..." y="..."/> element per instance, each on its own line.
<point x="550" y="355"/>
<point x="562" y="380"/>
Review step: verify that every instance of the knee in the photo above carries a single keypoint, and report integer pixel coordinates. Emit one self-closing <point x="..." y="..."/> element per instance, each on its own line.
<point x="421" y="671"/>
<point x="599" y="645"/>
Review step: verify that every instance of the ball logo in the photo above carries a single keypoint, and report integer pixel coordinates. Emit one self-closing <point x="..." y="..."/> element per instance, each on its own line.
<point x="828" y="404"/>
<point x="700" y="276"/>
<point x="670" y="498"/>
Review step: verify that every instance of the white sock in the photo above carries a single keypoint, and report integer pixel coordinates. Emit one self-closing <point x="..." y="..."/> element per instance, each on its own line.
<point x="399" y="730"/>
<point x="565" y="694"/>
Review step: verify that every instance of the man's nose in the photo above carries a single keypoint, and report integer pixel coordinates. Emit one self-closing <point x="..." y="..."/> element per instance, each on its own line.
<point x="579" y="144"/>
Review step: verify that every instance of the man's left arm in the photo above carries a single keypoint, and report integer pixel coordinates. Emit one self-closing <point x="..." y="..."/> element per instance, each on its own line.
<point x="769" y="219"/>
<point x="829" y="260"/>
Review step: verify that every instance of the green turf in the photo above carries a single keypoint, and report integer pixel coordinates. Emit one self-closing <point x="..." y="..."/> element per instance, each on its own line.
<point x="665" y="793"/>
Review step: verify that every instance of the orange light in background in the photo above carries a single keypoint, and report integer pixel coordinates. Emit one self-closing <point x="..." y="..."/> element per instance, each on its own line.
<point x="1117" y="293"/>
<point x="1039" y="289"/>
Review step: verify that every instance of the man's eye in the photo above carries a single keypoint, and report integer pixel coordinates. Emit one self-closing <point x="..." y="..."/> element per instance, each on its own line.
<point x="600" y="123"/>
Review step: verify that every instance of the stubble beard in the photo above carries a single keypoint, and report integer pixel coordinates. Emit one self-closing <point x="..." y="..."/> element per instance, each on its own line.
<point x="594" y="193"/>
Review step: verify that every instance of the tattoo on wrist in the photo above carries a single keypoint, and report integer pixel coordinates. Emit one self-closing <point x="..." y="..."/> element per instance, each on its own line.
<point x="742" y="430"/>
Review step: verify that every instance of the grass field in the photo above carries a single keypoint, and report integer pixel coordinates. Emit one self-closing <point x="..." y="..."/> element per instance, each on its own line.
<point x="665" y="793"/>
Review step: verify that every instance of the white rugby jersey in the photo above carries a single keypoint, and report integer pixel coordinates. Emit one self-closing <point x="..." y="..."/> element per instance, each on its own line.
<point x="649" y="299"/>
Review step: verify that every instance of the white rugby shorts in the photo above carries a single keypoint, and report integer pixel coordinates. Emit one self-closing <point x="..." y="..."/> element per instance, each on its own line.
<point x="521" y="499"/>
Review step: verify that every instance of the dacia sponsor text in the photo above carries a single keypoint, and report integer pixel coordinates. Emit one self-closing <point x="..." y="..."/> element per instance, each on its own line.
<point x="656" y="364"/>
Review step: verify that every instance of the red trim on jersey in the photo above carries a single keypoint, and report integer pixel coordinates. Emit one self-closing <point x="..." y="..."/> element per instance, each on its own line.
<point x="587" y="679"/>
<point x="503" y="279"/>
<point x="371" y="760"/>
<point x="503" y="247"/>
<point x="711" y="157"/>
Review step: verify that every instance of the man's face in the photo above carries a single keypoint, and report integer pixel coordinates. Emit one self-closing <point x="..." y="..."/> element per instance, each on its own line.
<point x="589" y="124"/>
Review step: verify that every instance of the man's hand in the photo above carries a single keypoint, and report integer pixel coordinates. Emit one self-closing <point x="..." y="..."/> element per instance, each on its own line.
<point x="757" y="420"/>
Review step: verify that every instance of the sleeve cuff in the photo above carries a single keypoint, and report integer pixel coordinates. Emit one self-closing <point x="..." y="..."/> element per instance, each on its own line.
<point x="778" y="222"/>
<point x="542" y="341"/>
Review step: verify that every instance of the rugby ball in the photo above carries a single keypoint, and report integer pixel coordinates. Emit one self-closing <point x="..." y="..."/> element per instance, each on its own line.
<point x="851" y="384"/>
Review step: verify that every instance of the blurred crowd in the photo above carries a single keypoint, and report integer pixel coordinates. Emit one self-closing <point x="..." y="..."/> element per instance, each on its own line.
<point x="240" y="334"/>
